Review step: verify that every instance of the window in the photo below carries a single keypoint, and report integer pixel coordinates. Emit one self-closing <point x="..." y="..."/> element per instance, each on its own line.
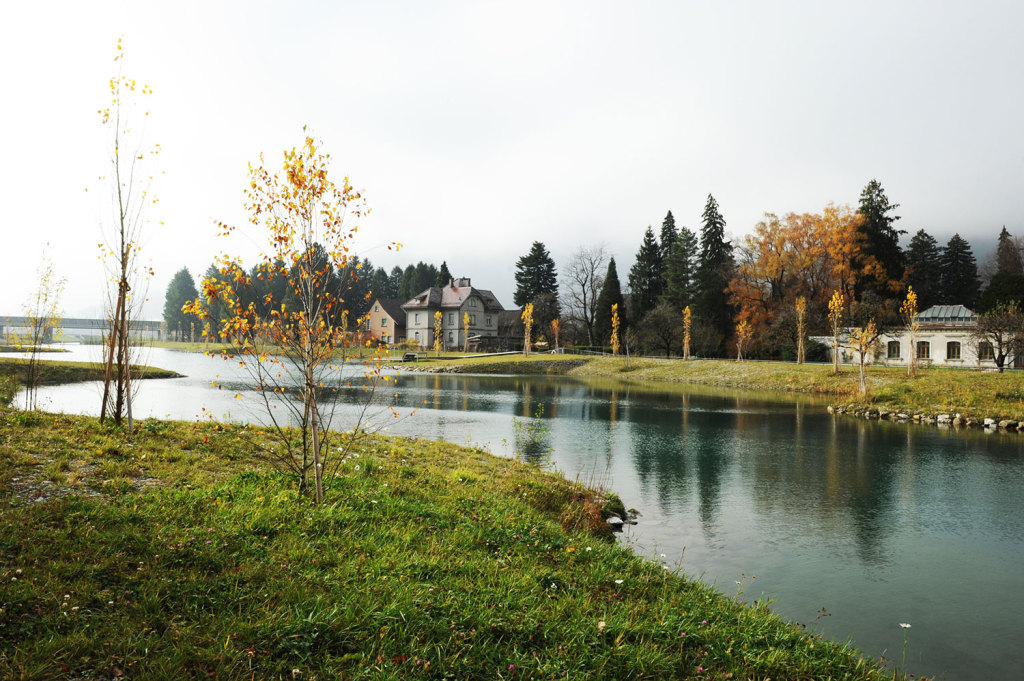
<point x="417" y="321"/>
<point x="924" y="350"/>
<point x="383" y="322"/>
<point x="376" y="308"/>
<point x="472" y="319"/>
<point x="385" y="338"/>
<point x="490" y="320"/>
<point x="451" y="339"/>
<point x="367" y="325"/>
<point x="472" y="302"/>
<point x="417" y="335"/>
<point x="952" y="350"/>
<point x="894" y="350"/>
<point x="986" y="351"/>
<point x="451" y="319"/>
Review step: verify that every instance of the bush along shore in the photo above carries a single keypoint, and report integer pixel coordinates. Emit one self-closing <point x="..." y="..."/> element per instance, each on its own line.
<point x="177" y="555"/>
<point x="972" y="396"/>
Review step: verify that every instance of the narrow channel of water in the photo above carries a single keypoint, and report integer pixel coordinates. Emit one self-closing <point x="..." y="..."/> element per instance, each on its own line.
<point x="849" y="526"/>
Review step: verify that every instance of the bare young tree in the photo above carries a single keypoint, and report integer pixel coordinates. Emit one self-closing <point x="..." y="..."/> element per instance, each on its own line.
<point x="1000" y="331"/>
<point x="129" y="182"/>
<point x="582" y="278"/>
<point x="43" y="319"/>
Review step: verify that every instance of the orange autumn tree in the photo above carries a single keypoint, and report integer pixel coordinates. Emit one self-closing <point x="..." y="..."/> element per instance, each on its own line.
<point x="294" y="349"/>
<point x="687" y="329"/>
<point x="527" y="318"/>
<point x="801" y="255"/>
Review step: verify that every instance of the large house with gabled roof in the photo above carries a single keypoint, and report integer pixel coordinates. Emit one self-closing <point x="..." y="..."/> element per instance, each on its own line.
<point x="454" y="301"/>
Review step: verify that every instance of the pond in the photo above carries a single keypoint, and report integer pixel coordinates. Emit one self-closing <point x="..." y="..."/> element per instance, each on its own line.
<point x="848" y="526"/>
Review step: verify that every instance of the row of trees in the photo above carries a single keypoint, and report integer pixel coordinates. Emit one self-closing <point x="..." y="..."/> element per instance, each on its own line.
<point x="358" y="283"/>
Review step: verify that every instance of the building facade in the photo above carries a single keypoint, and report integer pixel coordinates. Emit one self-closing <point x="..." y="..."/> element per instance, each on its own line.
<point x="455" y="302"/>
<point x="386" y="321"/>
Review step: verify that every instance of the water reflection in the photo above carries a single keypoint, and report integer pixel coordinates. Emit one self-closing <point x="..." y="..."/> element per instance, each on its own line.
<point x="880" y="522"/>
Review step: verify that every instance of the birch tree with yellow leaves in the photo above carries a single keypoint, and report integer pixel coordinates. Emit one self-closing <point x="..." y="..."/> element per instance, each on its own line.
<point x="296" y="354"/>
<point x="130" y="182"/>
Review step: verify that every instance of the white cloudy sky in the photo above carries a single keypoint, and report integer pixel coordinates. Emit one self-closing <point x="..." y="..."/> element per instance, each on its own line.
<point x="476" y="128"/>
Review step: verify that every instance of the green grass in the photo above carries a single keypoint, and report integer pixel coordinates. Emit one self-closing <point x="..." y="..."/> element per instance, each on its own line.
<point x="29" y="348"/>
<point x="176" y="556"/>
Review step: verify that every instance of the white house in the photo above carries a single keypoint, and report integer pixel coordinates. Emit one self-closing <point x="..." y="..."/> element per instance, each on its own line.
<point x="943" y="338"/>
<point x="454" y="301"/>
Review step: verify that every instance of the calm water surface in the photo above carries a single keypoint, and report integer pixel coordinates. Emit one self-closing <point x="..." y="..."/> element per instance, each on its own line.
<point x="850" y="526"/>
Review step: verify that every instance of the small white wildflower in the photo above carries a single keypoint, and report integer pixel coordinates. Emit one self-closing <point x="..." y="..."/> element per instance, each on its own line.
<point x="588" y="548"/>
<point x="357" y="466"/>
<point x="618" y="581"/>
<point x="904" y="625"/>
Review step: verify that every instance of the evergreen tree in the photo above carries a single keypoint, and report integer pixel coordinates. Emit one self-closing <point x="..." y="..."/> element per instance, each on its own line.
<point x="535" y="274"/>
<point x="444" y="277"/>
<point x="924" y="269"/>
<point x="1008" y="257"/>
<point x="680" y="269"/>
<point x="611" y="294"/>
<point x="426" y="276"/>
<point x="715" y="268"/>
<point x="959" y="273"/>
<point x="645" y="278"/>
<point x="395" y="283"/>
<point x="180" y="290"/>
<point x="881" y="239"/>
<point x="410" y="283"/>
<point x="1006" y="288"/>
<point x="668" y="237"/>
<point x="379" y="283"/>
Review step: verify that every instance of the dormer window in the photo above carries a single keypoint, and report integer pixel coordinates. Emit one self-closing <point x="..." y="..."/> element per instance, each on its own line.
<point x="472" y="302"/>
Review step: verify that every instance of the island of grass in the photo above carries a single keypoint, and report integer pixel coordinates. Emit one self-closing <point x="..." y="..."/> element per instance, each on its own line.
<point x="971" y="393"/>
<point x="175" y="554"/>
<point x="13" y="371"/>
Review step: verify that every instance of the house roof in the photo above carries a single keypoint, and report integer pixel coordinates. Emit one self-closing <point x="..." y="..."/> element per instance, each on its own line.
<point x="451" y="297"/>
<point x="947" y="315"/>
<point x="393" y="306"/>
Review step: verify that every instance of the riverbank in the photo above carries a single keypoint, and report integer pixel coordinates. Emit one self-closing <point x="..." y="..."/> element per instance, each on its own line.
<point x="13" y="374"/>
<point x="974" y="395"/>
<point x="177" y="555"/>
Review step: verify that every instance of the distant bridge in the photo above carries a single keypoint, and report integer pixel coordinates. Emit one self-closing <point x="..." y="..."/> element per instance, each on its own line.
<point x="79" y="328"/>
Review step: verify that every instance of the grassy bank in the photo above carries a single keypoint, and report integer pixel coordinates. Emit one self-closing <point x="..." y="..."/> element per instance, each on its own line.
<point x="13" y="371"/>
<point x="977" y="394"/>
<point x="176" y="556"/>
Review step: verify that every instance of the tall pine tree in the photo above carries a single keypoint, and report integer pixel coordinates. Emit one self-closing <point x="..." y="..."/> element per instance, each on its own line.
<point x="881" y="239"/>
<point x="1008" y="257"/>
<point x="715" y="268"/>
<point x="959" y="273"/>
<point x="535" y="274"/>
<point x="668" y="236"/>
<point x="444" y="277"/>
<point x="680" y="270"/>
<point x="645" y="278"/>
<point x="924" y="269"/>
<point x="611" y="294"/>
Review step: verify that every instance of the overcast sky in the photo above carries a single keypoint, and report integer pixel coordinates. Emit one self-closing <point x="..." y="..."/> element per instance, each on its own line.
<point x="477" y="128"/>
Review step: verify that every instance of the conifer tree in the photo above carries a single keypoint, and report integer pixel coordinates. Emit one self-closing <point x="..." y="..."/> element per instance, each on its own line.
<point x="881" y="239"/>
<point x="408" y="288"/>
<point x="959" y="273"/>
<point x="444" y="277"/>
<point x="715" y="268"/>
<point x="668" y="236"/>
<point x="181" y="290"/>
<point x="680" y="270"/>
<point x="924" y="269"/>
<point x="645" y="278"/>
<point x="1008" y="257"/>
<point x="535" y="274"/>
<point x="611" y="294"/>
<point x="395" y="282"/>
